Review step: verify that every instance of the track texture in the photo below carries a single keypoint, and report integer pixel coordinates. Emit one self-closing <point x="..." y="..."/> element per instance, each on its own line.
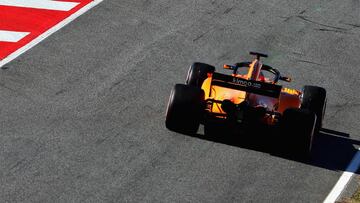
<point x="82" y="113"/>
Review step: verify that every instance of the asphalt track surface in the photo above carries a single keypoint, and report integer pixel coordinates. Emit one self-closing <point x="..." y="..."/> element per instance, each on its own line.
<point x="82" y="113"/>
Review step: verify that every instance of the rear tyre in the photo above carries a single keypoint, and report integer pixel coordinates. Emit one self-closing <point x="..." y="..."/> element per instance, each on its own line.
<point x="198" y="73"/>
<point x="185" y="109"/>
<point x="298" y="128"/>
<point x="314" y="99"/>
<point x="214" y="129"/>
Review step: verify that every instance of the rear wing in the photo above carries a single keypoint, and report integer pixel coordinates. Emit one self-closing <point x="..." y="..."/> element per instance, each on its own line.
<point x="250" y="86"/>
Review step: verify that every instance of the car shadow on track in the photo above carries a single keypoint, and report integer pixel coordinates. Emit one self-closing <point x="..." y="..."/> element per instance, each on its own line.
<point x="331" y="150"/>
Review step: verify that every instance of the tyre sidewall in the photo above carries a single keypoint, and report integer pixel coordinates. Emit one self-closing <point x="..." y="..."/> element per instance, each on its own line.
<point x="185" y="109"/>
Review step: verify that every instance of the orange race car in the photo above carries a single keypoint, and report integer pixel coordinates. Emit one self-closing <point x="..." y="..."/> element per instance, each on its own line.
<point x="250" y="96"/>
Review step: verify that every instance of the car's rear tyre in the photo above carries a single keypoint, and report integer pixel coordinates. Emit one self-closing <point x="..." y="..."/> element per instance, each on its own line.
<point x="298" y="129"/>
<point x="214" y="129"/>
<point x="185" y="109"/>
<point x="198" y="73"/>
<point x="314" y="99"/>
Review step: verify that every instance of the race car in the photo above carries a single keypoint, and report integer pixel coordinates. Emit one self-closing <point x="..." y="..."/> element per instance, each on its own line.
<point x="250" y="96"/>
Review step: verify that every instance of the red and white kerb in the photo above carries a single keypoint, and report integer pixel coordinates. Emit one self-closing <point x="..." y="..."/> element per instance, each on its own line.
<point x="24" y="23"/>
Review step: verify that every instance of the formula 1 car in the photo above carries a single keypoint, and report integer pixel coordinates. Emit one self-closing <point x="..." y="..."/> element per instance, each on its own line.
<point x="246" y="98"/>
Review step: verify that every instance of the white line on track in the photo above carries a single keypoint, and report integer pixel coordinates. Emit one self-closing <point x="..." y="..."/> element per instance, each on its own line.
<point x="40" y="4"/>
<point x="49" y="32"/>
<point x="344" y="179"/>
<point x="11" y="36"/>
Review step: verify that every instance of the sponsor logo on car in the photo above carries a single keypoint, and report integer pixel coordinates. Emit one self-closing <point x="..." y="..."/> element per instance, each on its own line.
<point x="246" y="83"/>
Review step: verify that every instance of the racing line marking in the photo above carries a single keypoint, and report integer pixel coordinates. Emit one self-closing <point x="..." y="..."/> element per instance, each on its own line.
<point x="40" y="4"/>
<point x="344" y="179"/>
<point x="11" y="36"/>
<point x="56" y="6"/>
